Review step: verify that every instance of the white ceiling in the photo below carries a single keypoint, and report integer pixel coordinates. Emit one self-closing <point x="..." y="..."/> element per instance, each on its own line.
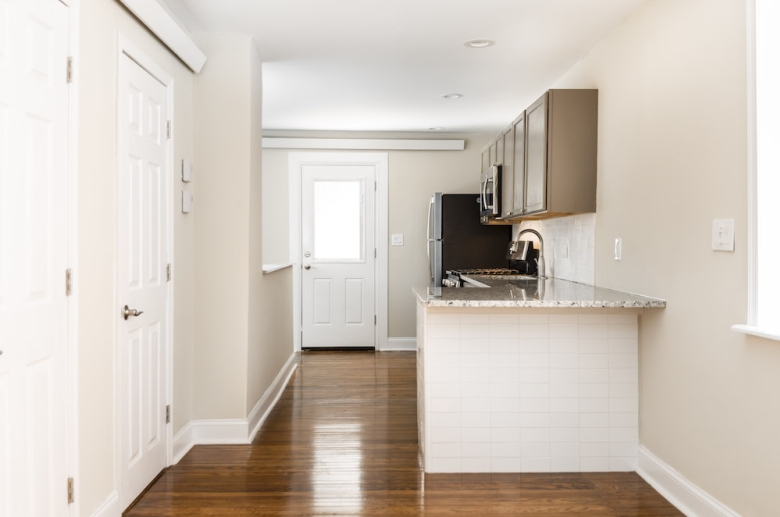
<point x="384" y="65"/>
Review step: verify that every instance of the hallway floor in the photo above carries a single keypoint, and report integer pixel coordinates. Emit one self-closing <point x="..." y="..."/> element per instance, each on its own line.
<point x="342" y="440"/>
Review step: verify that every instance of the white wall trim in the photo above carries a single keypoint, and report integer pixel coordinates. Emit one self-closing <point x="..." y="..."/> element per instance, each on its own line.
<point x="271" y="396"/>
<point x="109" y="508"/>
<point x="757" y="331"/>
<point x="687" y="497"/>
<point x="226" y="431"/>
<point x="239" y="431"/>
<point x="183" y="441"/>
<point x="380" y="160"/>
<point x="165" y="27"/>
<point x="401" y="343"/>
<point x="363" y="144"/>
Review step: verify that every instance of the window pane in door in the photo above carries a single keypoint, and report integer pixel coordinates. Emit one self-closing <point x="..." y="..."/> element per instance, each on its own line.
<point x="338" y="220"/>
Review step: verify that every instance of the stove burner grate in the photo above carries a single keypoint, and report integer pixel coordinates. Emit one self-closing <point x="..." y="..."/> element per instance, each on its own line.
<point x="492" y="272"/>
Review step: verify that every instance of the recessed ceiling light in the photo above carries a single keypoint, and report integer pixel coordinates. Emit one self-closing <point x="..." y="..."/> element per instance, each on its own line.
<point x="479" y="43"/>
<point x="452" y="96"/>
<point x="435" y="128"/>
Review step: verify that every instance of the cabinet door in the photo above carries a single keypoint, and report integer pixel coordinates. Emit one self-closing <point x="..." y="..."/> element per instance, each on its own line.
<point x="518" y="132"/>
<point x="507" y="176"/>
<point x="536" y="157"/>
<point x="493" y="154"/>
<point x="485" y="161"/>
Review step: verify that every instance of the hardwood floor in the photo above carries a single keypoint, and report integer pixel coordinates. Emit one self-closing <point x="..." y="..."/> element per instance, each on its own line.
<point x="343" y="441"/>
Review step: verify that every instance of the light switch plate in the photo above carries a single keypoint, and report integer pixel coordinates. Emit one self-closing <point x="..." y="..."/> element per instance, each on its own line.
<point x="186" y="170"/>
<point x="397" y="239"/>
<point x="723" y="234"/>
<point x="619" y="249"/>
<point x="186" y="201"/>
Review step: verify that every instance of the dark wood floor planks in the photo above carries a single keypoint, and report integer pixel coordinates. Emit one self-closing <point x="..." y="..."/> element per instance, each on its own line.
<point x="342" y="440"/>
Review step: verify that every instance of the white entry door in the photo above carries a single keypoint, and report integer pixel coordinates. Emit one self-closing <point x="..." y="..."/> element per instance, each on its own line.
<point x="142" y="290"/>
<point x="338" y="259"/>
<point x="33" y="258"/>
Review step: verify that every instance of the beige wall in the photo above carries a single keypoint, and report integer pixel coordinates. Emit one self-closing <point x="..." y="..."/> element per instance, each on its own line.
<point x="672" y="157"/>
<point x="270" y="341"/>
<point x="413" y="177"/>
<point x="222" y="159"/>
<point x="99" y="22"/>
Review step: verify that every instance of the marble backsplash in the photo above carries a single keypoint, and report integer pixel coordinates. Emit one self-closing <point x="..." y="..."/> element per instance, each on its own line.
<point x="569" y="244"/>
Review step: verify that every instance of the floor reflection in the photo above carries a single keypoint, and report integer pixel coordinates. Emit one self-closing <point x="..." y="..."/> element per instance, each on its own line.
<point x="342" y="440"/>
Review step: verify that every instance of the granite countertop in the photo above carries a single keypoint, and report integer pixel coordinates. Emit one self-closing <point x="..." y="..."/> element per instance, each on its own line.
<point x="520" y="291"/>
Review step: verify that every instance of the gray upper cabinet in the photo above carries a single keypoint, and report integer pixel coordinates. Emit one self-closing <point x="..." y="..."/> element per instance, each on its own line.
<point x="485" y="161"/>
<point x="518" y="183"/>
<point x="536" y="157"/>
<point x="507" y="174"/>
<point x="553" y="165"/>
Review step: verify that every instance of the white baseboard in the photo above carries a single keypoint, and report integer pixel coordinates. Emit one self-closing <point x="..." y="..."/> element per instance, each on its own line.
<point x="687" y="497"/>
<point x="182" y="443"/>
<point x="401" y="343"/>
<point x="233" y="431"/>
<point x="109" y="508"/>
<point x="271" y="396"/>
<point x="209" y="432"/>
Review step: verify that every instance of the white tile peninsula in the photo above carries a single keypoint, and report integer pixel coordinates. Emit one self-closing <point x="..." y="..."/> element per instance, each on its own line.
<point x="528" y="376"/>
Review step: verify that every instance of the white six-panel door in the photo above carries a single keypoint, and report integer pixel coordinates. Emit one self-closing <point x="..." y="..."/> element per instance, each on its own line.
<point x="142" y="255"/>
<point x="338" y="259"/>
<point x="33" y="258"/>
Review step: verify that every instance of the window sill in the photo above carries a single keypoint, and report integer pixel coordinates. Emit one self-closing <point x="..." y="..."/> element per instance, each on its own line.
<point x="757" y="331"/>
<point x="270" y="268"/>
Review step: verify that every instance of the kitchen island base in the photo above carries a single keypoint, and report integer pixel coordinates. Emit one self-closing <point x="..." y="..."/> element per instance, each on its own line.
<point x="527" y="389"/>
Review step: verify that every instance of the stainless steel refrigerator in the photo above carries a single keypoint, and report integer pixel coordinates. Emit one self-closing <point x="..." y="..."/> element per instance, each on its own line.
<point x="457" y="240"/>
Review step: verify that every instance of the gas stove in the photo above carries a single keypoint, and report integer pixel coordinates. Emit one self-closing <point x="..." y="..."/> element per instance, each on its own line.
<point x="460" y="277"/>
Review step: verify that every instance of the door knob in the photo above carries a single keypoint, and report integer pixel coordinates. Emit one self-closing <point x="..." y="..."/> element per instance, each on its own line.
<point x="307" y="266"/>
<point x="126" y="312"/>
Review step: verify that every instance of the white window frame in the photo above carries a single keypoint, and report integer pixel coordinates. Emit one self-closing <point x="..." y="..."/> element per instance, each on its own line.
<point x="763" y="170"/>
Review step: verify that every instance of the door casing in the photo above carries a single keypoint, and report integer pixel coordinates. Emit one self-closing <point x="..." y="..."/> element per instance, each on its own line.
<point x="380" y="161"/>
<point x="127" y="47"/>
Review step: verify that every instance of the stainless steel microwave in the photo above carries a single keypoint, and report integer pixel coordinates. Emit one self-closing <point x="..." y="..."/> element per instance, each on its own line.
<point x="490" y="190"/>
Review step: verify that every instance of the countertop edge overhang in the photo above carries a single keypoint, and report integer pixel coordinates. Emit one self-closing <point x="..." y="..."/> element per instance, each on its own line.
<point x="556" y="294"/>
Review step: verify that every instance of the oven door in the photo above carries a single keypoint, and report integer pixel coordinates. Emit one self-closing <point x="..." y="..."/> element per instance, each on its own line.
<point x="490" y="190"/>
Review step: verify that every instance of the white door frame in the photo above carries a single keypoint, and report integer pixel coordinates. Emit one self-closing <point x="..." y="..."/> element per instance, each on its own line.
<point x="72" y="455"/>
<point x="380" y="161"/>
<point x="127" y="47"/>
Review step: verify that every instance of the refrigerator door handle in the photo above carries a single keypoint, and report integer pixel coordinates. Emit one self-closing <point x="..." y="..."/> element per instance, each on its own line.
<point x="430" y="219"/>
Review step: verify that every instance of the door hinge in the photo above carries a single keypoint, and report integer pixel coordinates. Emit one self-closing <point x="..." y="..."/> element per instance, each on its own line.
<point x="68" y="282"/>
<point x="168" y="272"/>
<point x="374" y="319"/>
<point x="69" y="73"/>
<point x="71" y="492"/>
<point x="168" y="130"/>
<point x="375" y="186"/>
<point x="168" y="414"/>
